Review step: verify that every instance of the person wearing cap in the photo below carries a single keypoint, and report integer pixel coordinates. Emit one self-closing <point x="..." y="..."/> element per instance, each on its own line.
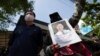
<point x="26" y="39"/>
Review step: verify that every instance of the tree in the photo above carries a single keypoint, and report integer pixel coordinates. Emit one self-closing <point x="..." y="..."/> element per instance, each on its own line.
<point x="79" y="10"/>
<point x="92" y="16"/>
<point x="9" y="8"/>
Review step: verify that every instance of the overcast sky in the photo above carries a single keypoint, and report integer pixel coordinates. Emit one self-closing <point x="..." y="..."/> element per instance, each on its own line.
<point x="43" y="8"/>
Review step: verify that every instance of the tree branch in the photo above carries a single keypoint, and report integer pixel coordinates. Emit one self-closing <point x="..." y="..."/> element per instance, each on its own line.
<point x="79" y="10"/>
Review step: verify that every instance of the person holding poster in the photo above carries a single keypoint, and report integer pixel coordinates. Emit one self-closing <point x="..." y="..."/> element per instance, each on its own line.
<point x="63" y="36"/>
<point x="66" y="40"/>
<point x="70" y="49"/>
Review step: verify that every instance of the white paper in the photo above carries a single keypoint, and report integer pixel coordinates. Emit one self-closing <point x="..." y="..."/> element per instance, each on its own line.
<point x="63" y="34"/>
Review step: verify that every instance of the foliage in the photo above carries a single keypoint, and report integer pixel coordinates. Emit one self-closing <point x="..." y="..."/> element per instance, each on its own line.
<point x="92" y="16"/>
<point x="10" y="8"/>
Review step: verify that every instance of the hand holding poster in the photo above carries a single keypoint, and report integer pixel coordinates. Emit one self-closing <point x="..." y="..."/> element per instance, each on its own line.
<point x="63" y="34"/>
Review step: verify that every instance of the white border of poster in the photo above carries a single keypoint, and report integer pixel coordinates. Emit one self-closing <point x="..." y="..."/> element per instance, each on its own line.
<point x="64" y="37"/>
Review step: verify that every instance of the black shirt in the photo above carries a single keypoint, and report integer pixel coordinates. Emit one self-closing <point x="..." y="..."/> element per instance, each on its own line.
<point x="25" y="41"/>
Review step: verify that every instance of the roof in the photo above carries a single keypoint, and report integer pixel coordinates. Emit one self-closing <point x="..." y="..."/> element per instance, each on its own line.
<point x="41" y="22"/>
<point x="21" y="21"/>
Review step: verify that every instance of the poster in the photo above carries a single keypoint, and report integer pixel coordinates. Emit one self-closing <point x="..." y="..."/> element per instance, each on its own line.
<point x="63" y="34"/>
<point x="84" y="28"/>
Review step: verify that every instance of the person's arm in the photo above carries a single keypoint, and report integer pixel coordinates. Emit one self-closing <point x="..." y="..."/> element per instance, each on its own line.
<point x="40" y="40"/>
<point x="47" y="45"/>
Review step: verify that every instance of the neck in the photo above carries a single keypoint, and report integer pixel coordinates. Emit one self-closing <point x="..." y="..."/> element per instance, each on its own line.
<point x="29" y="23"/>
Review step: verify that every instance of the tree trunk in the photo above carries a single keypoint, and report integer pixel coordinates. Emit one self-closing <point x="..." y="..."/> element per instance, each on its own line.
<point x="77" y="15"/>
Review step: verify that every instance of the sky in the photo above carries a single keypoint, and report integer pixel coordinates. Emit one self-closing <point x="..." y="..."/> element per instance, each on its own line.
<point x="91" y="1"/>
<point x="43" y="8"/>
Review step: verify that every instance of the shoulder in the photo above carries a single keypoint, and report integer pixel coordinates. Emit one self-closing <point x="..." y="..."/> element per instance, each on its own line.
<point x="19" y="27"/>
<point x="37" y="28"/>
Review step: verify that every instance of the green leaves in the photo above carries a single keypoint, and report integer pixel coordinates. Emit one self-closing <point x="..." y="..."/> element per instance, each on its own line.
<point x="94" y="1"/>
<point x="93" y="16"/>
<point x="11" y="7"/>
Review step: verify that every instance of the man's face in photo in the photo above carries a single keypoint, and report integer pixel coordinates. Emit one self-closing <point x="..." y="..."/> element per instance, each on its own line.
<point x="59" y="27"/>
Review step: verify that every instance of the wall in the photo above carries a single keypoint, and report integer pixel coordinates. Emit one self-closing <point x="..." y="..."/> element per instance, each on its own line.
<point x="4" y="38"/>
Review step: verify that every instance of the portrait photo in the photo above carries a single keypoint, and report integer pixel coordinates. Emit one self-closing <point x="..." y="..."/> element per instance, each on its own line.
<point x="63" y="34"/>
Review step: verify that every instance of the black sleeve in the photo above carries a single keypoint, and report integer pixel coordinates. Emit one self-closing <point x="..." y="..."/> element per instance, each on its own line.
<point x="40" y="39"/>
<point x="47" y="40"/>
<point x="46" y="45"/>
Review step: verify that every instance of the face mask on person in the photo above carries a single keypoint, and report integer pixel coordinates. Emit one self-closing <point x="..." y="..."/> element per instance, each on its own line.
<point x="29" y="18"/>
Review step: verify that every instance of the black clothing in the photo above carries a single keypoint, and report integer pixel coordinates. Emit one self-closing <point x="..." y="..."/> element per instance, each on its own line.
<point x="25" y="41"/>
